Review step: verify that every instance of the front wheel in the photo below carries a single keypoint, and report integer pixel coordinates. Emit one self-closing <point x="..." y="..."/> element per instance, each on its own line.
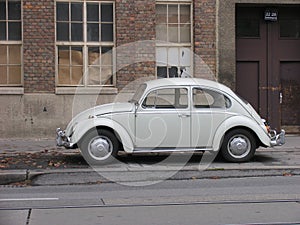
<point x="99" y="147"/>
<point x="238" y="146"/>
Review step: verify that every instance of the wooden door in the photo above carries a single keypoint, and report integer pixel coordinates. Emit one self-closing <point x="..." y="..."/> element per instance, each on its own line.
<point x="268" y="63"/>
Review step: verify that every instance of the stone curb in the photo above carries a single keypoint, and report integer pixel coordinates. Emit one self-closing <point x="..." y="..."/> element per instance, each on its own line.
<point x="14" y="176"/>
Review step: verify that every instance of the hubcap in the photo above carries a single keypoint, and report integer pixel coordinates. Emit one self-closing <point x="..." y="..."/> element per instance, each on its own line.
<point x="100" y="148"/>
<point x="239" y="146"/>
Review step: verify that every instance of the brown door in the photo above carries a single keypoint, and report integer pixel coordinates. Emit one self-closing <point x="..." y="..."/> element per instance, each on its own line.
<point x="288" y="61"/>
<point x="268" y="61"/>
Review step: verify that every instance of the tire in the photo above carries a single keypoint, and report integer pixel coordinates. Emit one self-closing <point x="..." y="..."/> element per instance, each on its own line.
<point x="238" y="146"/>
<point x="99" y="147"/>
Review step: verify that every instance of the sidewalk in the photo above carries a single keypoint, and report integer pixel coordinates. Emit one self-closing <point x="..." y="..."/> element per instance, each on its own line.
<point x="39" y="157"/>
<point x="32" y="145"/>
<point x="26" y="145"/>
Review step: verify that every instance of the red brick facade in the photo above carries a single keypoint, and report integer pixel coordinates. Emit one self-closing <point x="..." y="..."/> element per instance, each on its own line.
<point x="205" y="35"/>
<point x="135" y="21"/>
<point x="38" y="46"/>
<point x="38" y="115"/>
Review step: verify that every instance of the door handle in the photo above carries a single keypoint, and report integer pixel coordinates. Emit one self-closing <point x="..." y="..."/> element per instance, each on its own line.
<point x="184" y="115"/>
<point x="280" y="97"/>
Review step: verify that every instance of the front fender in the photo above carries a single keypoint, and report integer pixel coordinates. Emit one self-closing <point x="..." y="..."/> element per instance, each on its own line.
<point x="239" y="121"/>
<point x="84" y="126"/>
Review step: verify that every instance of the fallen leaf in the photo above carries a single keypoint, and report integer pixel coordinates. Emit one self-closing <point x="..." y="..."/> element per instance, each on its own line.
<point x="286" y="174"/>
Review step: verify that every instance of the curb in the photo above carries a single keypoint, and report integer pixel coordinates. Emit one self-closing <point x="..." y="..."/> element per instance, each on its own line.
<point x="12" y="176"/>
<point x="15" y="176"/>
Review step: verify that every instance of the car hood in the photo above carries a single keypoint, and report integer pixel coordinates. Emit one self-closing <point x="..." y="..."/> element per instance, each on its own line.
<point x="98" y="111"/>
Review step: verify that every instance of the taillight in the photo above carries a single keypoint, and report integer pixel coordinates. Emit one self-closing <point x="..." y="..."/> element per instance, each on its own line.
<point x="268" y="128"/>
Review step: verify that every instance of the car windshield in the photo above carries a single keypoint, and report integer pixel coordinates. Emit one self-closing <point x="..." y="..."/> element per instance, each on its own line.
<point x="138" y="94"/>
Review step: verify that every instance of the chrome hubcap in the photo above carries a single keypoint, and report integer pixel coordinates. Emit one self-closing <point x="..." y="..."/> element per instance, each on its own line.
<point x="100" y="148"/>
<point x="239" y="146"/>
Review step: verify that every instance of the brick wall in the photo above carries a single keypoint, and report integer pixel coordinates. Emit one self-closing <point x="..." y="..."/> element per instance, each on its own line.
<point x="205" y="37"/>
<point x="135" y="26"/>
<point x="135" y="22"/>
<point x="39" y="46"/>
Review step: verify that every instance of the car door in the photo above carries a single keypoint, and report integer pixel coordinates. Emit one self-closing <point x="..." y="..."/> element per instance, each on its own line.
<point x="163" y="119"/>
<point x="208" y="111"/>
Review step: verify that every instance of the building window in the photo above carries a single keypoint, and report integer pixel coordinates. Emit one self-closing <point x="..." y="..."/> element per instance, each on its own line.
<point x="248" y="28"/>
<point x="84" y="39"/>
<point x="174" y="38"/>
<point x="290" y="28"/>
<point x="10" y="43"/>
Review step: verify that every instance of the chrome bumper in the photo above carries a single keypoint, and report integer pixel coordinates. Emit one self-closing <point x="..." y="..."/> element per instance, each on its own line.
<point x="63" y="140"/>
<point x="277" y="139"/>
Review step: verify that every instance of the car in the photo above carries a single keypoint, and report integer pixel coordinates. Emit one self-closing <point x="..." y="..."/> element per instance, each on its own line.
<point x="171" y="115"/>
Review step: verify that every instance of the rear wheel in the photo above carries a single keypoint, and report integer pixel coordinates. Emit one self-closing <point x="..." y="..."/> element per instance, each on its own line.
<point x="99" y="147"/>
<point x="238" y="146"/>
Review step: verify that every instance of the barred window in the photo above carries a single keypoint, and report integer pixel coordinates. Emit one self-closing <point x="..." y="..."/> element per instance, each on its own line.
<point x="85" y="39"/>
<point x="10" y="43"/>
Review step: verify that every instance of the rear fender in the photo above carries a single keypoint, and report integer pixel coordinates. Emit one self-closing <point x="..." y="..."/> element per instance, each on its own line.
<point x="239" y="121"/>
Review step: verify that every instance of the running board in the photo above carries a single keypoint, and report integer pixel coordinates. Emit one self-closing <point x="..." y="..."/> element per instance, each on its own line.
<point x="166" y="150"/>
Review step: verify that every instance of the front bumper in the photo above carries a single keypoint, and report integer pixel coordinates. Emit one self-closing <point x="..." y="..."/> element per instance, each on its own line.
<point x="63" y="140"/>
<point x="277" y="139"/>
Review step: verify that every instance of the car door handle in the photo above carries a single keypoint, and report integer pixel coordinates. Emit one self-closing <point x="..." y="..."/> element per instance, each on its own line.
<point x="184" y="115"/>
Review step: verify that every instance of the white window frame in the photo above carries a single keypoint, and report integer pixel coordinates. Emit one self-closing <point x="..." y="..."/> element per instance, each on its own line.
<point x="88" y="89"/>
<point x="13" y="88"/>
<point x="168" y="45"/>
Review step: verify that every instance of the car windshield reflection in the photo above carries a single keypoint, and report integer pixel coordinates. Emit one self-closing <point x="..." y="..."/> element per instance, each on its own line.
<point x="138" y="94"/>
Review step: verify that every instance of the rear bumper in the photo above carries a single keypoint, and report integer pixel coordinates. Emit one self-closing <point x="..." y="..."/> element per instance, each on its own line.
<point x="63" y="140"/>
<point x="277" y="139"/>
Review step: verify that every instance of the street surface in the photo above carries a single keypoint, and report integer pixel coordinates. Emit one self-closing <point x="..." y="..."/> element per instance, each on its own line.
<point x="264" y="200"/>
<point x="46" y="185"/>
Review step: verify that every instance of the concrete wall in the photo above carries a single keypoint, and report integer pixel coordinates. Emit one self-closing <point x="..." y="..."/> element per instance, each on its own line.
<point x="38" y="115"/>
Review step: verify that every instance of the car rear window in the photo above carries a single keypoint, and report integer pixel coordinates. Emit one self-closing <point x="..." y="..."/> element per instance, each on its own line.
<point x="205" y="98"/>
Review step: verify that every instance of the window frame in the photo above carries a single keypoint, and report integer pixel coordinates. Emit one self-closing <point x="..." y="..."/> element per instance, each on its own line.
<point x="281" y="36"/>
<point x="13" y="88"/>
<point x="173" y="107"/>
<point x="178" y="45"/>
<point x="85" y="44"/>
<point x="208" y="91"/>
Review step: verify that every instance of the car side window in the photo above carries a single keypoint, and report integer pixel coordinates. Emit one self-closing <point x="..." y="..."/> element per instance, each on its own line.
<point x="167" y="98"/>
<point x="205" y="98"/>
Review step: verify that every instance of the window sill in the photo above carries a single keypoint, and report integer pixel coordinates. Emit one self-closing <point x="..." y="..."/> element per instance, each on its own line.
<point x="11" y="90"/>
<point x="86" y="91"/>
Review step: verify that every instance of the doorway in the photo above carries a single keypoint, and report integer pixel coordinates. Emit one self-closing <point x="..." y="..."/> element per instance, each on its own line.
<point x="268" y="62"/>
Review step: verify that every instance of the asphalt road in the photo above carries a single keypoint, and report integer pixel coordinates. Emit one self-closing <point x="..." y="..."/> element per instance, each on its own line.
<point x="260" y="200"/>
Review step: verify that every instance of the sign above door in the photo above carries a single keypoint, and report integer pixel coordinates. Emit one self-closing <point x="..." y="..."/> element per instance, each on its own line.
<point x="271" y="15"/>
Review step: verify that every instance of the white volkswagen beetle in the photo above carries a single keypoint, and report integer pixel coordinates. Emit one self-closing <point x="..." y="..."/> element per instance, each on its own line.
<point x="167" y="115"/>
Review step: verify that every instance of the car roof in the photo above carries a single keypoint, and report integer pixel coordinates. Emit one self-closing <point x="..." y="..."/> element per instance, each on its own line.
<point x="185" y="82"/>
